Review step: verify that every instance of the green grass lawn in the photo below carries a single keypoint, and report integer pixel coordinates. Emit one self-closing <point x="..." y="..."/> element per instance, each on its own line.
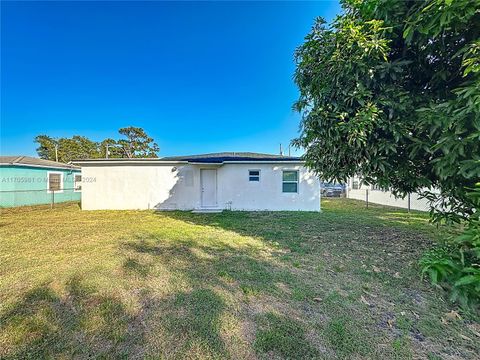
<point x="343" y="283"/>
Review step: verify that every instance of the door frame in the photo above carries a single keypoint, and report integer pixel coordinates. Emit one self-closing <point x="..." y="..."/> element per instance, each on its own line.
<point x="201" y="188"/>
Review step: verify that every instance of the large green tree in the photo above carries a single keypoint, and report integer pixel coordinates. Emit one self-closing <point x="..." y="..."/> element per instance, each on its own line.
<point x="391" y="90"/>
<point x="136" y="143"/>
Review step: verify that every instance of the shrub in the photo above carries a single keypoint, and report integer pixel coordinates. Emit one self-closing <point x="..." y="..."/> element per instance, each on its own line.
<point x="456" y="265"/>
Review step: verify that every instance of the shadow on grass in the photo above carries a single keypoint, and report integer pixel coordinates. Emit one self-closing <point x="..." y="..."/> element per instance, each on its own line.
<point x="228" y="267"/>
<point x="306" y="233"/>
<point x="83" y="324"/>
<point x="217" y="278"/>
<point x="195" y="323"/>
<point x="209" y="276"/>
<point x="80" y="324"/>
<point x="368" y="248"/>
<point x="284" y="336"/>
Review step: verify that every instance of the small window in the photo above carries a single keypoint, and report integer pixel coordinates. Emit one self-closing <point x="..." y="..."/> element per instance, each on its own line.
<point x="253" y="175"/>
<point x="290" y="181"/>
<point x="77" y="182"/>
<point x="55" y="181"/>
<point x="355" y="184"/>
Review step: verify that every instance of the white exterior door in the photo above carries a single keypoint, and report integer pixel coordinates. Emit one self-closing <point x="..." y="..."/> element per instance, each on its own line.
<point x="208" y="183"/>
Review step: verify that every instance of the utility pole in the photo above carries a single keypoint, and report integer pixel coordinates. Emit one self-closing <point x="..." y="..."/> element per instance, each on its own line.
<point x="281" y="151"/>
<point x="56" y="152"/>
<point x="106" y="153"/>
<point x="289" y="146"/>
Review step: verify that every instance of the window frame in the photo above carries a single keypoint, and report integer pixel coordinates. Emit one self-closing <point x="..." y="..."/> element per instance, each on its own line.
<point x="75" y="183"/>
<point x="48" y="182"/>
<point x="297" y="182"/>
<point x="250" y="176"/>
<point x="356" y="185"/>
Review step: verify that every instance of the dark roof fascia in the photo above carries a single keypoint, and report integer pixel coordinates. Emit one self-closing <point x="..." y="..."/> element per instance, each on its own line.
<point x="273" y="161"/>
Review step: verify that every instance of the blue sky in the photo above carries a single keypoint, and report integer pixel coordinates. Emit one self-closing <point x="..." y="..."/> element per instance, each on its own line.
<point x="198" y="77"/>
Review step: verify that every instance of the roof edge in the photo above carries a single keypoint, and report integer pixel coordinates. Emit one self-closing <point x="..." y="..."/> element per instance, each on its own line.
<point x="273" y="161"/>
<point x="183" y="162"/>
<point x="126" y="161"/>
<point x="63" y="167"/>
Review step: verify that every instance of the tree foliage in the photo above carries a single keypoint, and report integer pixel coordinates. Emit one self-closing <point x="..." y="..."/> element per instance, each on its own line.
<point x="135" y="144"/>
<point x="391" y="90"/>
<point x="76" y="147"/>
<point x="456" y="264"/>
<point x="46" y="147"/>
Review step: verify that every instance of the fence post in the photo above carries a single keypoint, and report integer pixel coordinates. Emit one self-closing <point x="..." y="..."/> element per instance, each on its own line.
<point x="53" y="199"/>
<point x="408" y="202"/>
<point x="366" y="196"/>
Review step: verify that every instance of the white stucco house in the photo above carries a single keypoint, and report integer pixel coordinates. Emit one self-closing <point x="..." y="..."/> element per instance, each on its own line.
<point x="374" y="194"/>
<point x="207" y="182"/>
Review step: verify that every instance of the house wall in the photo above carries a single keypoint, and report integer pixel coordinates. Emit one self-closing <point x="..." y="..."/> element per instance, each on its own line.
<point x="146" y="186"/>
<point x="239" y="193"/>
<point x="386" y="197"/>
<point x="169" y="187"/>
<point x="24" y="185"/>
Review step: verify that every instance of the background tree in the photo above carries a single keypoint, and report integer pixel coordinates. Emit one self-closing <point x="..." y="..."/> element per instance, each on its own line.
<point x="391" y="90"/>
<point x="137" y="143"/>
<point x="68" y="149"/>
<point x="46" y="147"/>
<point x="77" y="147"/>
<point x="114" y="150"/>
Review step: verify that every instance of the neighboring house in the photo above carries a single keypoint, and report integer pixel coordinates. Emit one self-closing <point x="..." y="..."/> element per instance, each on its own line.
<point x="26" y="180"/>
<point x="358" y="190"/>
<point x="233" y="181"/>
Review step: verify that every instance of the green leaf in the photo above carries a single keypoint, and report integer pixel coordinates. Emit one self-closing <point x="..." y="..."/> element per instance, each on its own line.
<point x="467" y="280"/>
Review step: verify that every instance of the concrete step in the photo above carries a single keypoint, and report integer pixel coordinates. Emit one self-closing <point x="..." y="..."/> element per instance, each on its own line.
<point x="207" y="211"/>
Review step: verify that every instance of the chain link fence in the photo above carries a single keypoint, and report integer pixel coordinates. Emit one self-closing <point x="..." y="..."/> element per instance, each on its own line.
<point x="411" y="201"/>
<point x="17" y="198"/>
